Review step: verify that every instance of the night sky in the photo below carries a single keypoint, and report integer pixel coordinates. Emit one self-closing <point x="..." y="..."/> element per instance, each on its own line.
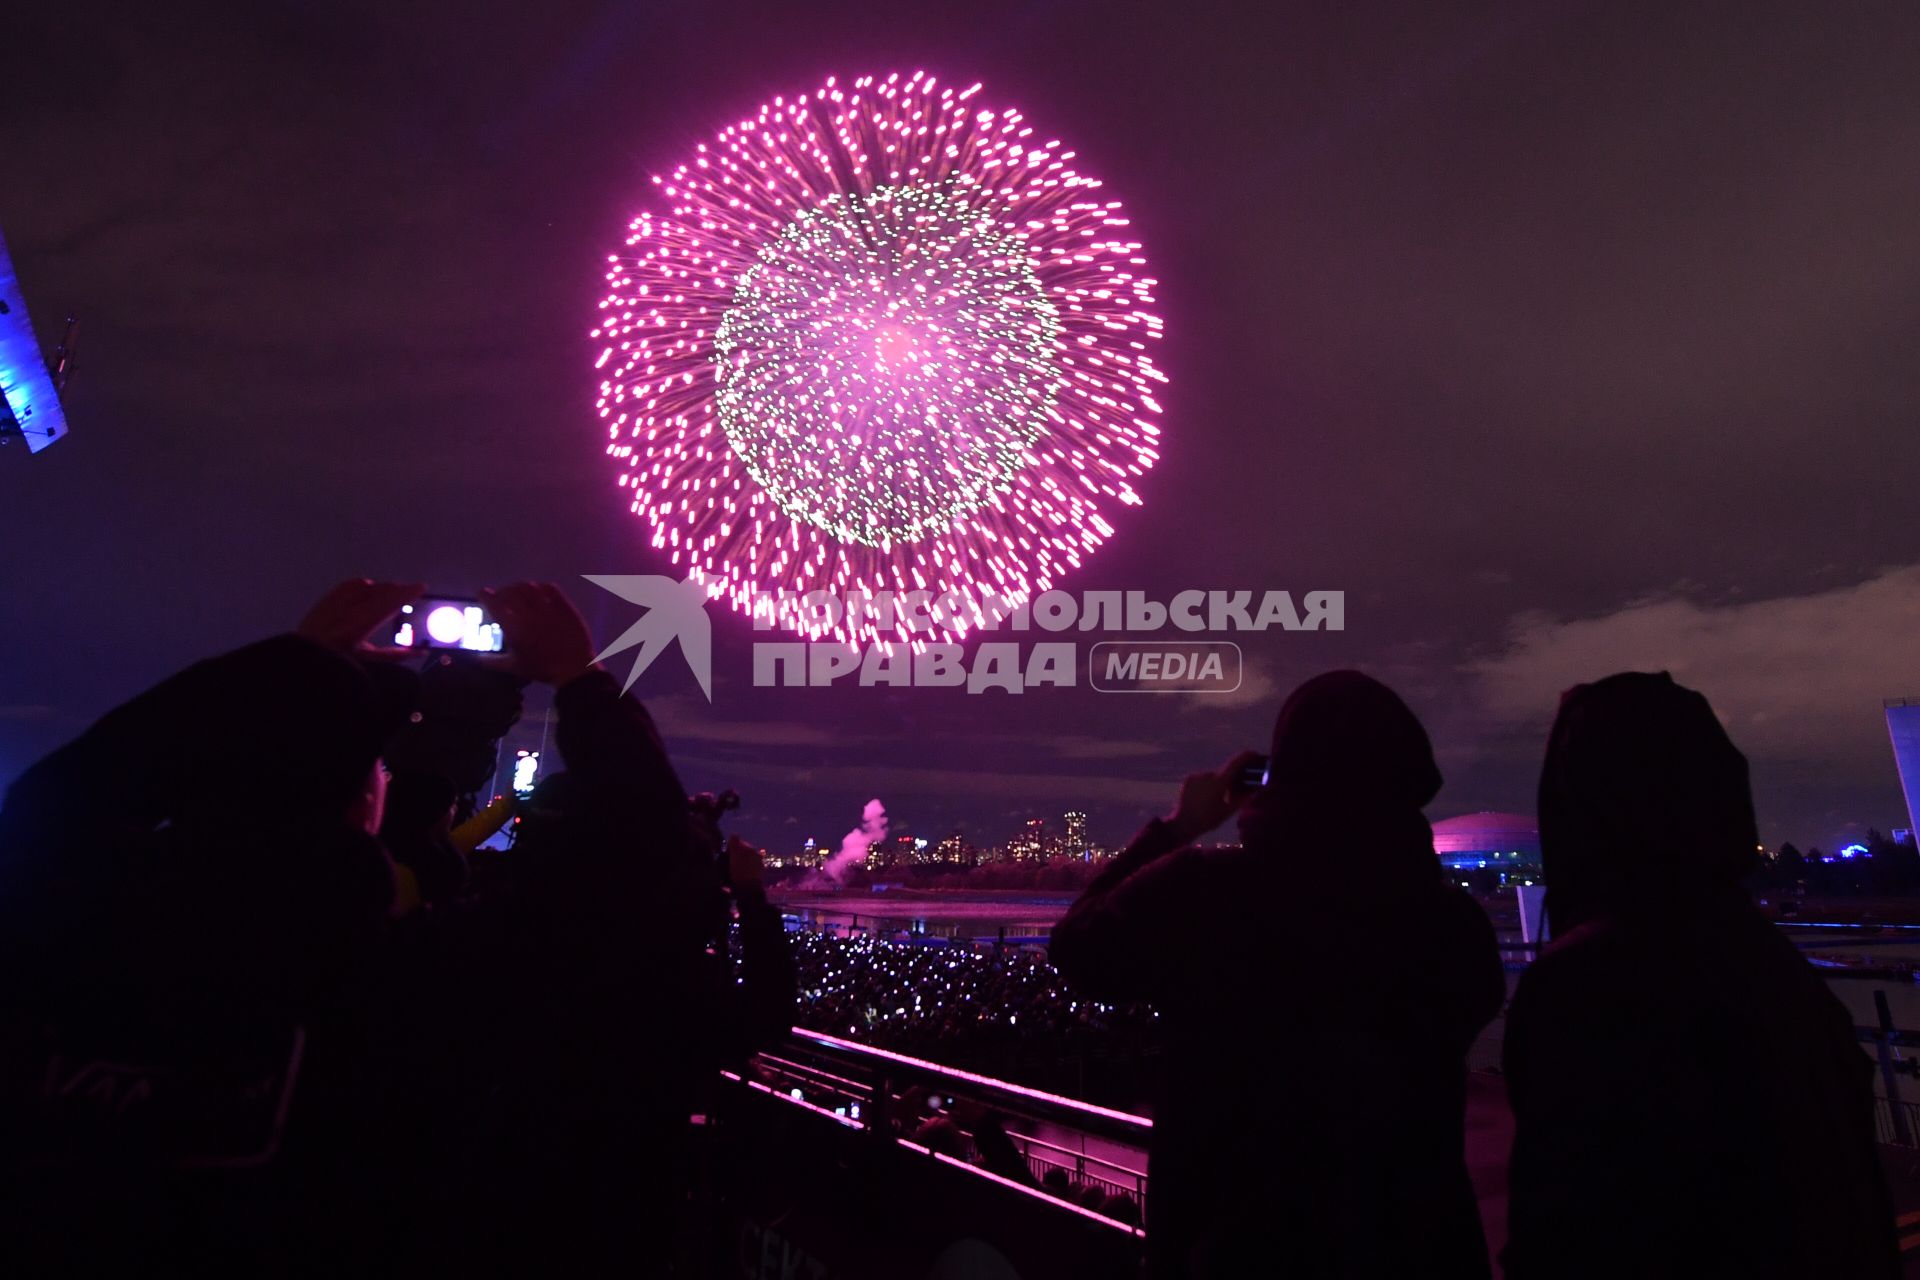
<point x="1564" y="338"/>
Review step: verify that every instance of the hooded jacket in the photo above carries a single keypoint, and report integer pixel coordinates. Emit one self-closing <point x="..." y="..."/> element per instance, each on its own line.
<point x="1318" y="987"/>
<point x="1689" y="1096"/>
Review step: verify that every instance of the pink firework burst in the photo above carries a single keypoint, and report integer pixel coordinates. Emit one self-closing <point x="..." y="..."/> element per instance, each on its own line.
<point x="881" y="339"/>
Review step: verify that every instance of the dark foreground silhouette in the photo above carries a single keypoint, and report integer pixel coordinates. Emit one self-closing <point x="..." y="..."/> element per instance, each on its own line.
<point x="1310" y="1122"/>
<point x="1689" y="1097"/>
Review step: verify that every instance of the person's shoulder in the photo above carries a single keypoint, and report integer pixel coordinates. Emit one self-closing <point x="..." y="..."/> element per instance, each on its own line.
<point x="1200" y="862"/>
<point x="1455" y="908"/>
<point x="1595" y="944"/>
<point x="1592" y="969"/>
<point x="1215" y="855"/>
<point x="1443" y="919"/>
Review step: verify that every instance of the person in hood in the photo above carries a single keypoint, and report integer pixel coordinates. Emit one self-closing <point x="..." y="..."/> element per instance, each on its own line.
<point x="1689" y="1096"/>
<point x="1319" y="987"/>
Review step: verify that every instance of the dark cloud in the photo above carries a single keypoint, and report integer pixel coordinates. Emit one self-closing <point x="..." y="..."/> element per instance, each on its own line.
<point x="1078" y="747"/>
<point x="1799" y="681"/>
<point x="684" y="719"/>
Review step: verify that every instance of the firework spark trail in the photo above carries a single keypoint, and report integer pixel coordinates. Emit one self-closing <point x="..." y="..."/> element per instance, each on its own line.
<point x="882" y="339"/>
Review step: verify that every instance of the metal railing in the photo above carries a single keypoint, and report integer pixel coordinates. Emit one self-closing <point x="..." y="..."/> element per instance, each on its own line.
<point x="1081" y="1167"/>
<point x="1896" y="1123"/>
<point x="863" y="1087"/>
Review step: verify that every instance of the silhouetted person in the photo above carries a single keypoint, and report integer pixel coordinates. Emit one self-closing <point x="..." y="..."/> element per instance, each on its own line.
<point x="221" y="1046"/>
<point x="1319" y="988"/>
<point x="418" y="834"/>
<point x="1690" y="1098"/>
<point x="604" y="1012"/>
<point x="438" y="761"/>
<point x="191" y="898"/>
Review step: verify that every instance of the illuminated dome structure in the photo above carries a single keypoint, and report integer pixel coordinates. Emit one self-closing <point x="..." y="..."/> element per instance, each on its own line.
<point x="1504" y="842"/>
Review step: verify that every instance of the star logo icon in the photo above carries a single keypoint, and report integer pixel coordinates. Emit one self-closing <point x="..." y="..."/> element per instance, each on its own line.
<point x="674" y="611"/>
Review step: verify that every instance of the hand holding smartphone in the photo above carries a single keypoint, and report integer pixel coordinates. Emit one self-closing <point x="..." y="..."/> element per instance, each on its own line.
<point x="1210" y="797"/>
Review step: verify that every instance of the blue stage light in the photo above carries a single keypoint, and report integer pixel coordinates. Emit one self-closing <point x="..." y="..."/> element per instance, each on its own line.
<point x="33" y="409"/>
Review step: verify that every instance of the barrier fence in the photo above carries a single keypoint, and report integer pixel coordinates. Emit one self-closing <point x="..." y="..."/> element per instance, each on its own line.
<point x="865" y="1087"/>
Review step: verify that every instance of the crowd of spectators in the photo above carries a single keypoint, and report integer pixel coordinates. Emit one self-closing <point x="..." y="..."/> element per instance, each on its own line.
<point x="1004" y="1011"/>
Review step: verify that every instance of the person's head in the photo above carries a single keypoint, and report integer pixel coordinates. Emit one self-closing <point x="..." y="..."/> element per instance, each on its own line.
<point x="940" y="1135"/>
<point x="1344" y="736"/>
<point x="284" y="733"/>
<point x="1643" y="800"/>
<point x="465" y="707"/>
<point x="1350" y="771"/>
<point x="1056" y="1181"/>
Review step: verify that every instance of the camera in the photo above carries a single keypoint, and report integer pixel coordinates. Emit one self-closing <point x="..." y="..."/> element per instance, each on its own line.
<point x="710" y="806"/>
<point x="1255" y="775"/>
<point x="704" y="812"/>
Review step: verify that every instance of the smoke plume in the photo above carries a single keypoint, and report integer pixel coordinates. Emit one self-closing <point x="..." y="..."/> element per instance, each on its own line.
<point x="853" y="847"/>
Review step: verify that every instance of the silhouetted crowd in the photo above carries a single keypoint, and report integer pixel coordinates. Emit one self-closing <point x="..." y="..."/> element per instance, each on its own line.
<point x="953" y="1004"/>
<point x="270" y="1008"/>
<point x="270" y="1012"/>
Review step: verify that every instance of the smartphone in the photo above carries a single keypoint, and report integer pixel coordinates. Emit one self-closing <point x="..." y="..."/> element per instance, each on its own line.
<point x="1254" y="776"/>
<point x="447" y="622"/>
<point x="526" y="773"/>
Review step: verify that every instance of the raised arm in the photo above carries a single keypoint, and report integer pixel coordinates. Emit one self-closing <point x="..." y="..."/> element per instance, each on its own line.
<point x="1114" y="940"/>
<point x="478" y="829"/>
<point x="1104" y="943"/>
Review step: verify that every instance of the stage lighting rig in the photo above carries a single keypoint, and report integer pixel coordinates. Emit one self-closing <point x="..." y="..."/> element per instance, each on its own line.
<point x="30" y="386"/>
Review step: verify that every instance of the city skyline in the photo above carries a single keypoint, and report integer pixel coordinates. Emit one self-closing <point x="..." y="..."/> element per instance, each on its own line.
<point x="1031" y="840"/>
